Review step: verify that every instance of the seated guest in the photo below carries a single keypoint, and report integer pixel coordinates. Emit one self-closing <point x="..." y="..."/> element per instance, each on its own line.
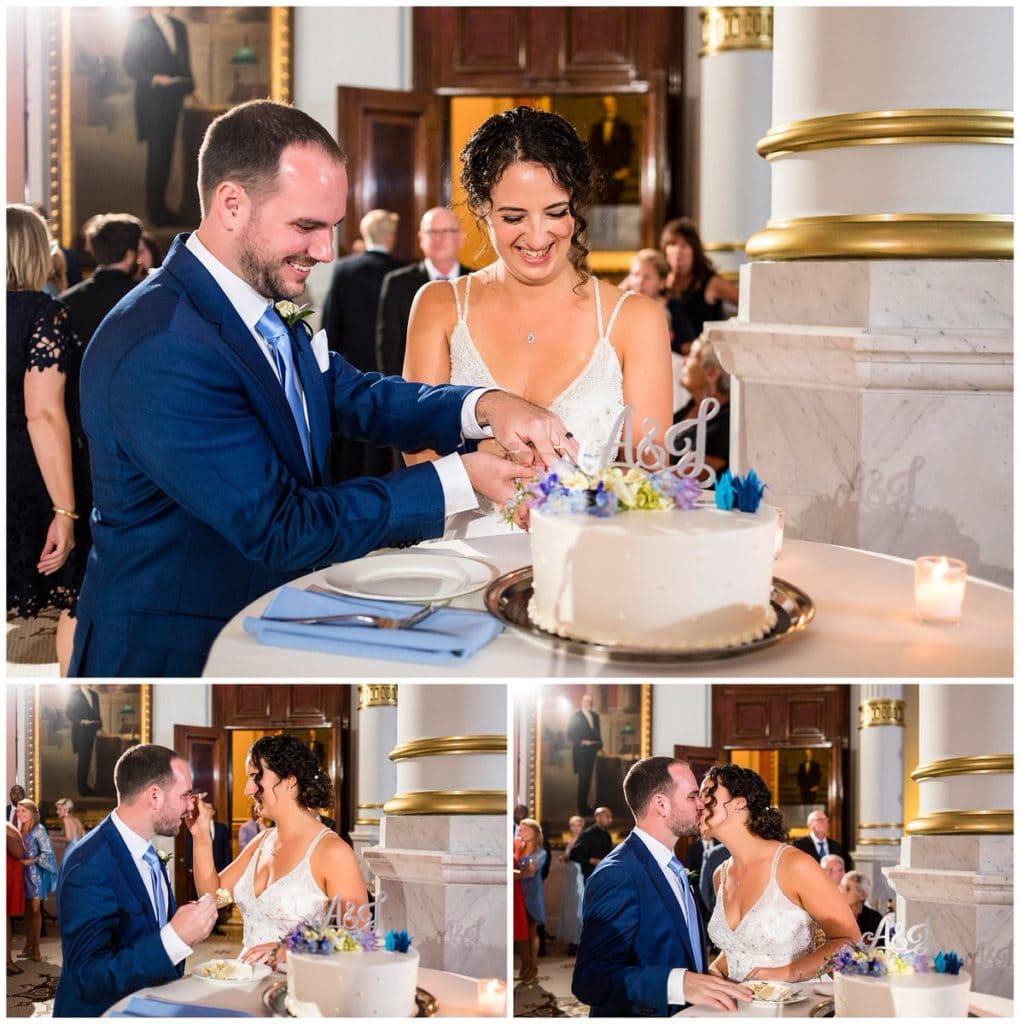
<point x="594" y="844"/>
<point x="857" y="888"/>
<point x="150" y="256"/>
<point x="704" y="377"/>
<point x="832" y="864"/>
<point x="114" y="240"/>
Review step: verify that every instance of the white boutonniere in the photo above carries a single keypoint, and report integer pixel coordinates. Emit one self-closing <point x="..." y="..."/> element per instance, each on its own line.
<point x="164" y="857"/>
<point x="292" y="314"/>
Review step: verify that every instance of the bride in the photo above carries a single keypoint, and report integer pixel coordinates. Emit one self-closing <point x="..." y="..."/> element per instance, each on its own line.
<point x="777" y="915"/>
<point x="534" y="322"/>
<point x="288" y="872"/>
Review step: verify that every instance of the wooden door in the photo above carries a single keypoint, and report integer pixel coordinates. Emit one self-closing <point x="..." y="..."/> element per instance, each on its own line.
<point x="700" y="759"/>
<point x="394" y="146"/>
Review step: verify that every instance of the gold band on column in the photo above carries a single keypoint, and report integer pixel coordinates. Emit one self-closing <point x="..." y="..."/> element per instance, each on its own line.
<point x="878" y="842"/>
<point x="881" y="711"/>
<point x="723" y="246"/>
<point x="440" y="746"/>
<point x="449" y="801"/>
<point x="377" y="695"/>
<point x="942" y="823"/>
<point x="367" y="821"/>
<point x="946" y="236"/>
<point x="735" y="28"/>
<point x="370" y="807"/>
<point x="884" y="127"/>
<point x="976" y="764"/>
<point x="880" y="824"/>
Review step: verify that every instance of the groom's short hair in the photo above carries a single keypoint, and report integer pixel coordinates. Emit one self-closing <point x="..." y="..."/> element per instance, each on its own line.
<point x="646" y="778"/>
<point x="143" y="765"/>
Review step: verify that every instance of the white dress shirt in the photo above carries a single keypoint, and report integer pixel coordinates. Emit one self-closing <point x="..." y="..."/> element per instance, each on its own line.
<point x="176" y="948"/>
<point x="435" y="274"/>
<point x="458" y="495"/>
<point x="662" y="855"/>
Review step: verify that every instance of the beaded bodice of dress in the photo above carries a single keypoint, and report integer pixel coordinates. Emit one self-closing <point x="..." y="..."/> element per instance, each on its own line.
<point x="589" y="405"/>
<point x="773" y="933"/>
<point x="284" y="902"/>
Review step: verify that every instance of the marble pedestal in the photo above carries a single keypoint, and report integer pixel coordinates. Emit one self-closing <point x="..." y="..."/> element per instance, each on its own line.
<point x="872" y="861"/>
<point x="443" y="878"/>
<point x="875" y="399"/>
<point x="364" y="837"/>
<point x="962" y="886"/>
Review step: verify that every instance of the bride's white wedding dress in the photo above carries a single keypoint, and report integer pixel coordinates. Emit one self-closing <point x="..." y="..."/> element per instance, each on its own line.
<point x="773" y="933"/>
<point x="283" y="903"/>
<point x="589" y="405"/>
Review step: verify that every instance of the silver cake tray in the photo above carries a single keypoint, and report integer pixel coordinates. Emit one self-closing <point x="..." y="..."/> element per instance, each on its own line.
<point x="507" y="598"/>
<point x="274" y="1000"/>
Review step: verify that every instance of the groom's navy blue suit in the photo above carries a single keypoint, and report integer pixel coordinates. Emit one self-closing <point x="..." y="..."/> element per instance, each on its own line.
<point x="203" y="499"/>
<point x="108" y="928"/>
<point x="633" y="935"/>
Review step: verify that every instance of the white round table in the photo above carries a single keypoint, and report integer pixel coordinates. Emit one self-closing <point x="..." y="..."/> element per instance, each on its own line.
<point x="864" y="625"/>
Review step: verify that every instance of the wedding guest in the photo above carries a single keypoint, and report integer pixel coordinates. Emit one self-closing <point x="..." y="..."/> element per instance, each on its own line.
<point x="771" y="900"/>
<point x="695" y="291"/>
<point x="208" y="451"/>
<point x="150" y="256"/>
<point x="856" y="888"/>
<point x="17" y="794"/>
<point x="648" y="274"/>
<point x="832" y="864"/>
<point x="531" y="859"/>
<point x="817" y="841"/>
<point x="573" y="889"/>
<point x="48" y="495"/>
<point x="40" y="871"/>
<point x="534" y="322"/>
<point x="15" y="890"/>
<point x="74" y="830"/>
<point x="120" y="926"/>
<point x="520" y="813"/>
<point x="703" y="377"/>
<point x="67" y="258"/>
<point x="594" y="843"/>
<point x="520" y="912"/>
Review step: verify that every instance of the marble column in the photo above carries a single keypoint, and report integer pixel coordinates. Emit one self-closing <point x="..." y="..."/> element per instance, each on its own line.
<point x="879" y="786"/>
<point x="873" y="346"/>
<point x="956" y="868"/>
<point x="735" y="99"/>
<point x="441" y="863"/>
<point x="376" y="781"/>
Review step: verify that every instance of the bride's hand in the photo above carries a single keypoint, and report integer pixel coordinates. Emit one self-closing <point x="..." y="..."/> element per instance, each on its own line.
<point x="769" y="974"/>
<point x="199" y="818"/>
<point x="269" y="953"/>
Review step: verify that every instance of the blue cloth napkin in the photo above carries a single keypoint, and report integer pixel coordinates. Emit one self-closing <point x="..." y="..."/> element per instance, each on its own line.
<point x="143" y="1006"/>
<point x="448" y="635"/>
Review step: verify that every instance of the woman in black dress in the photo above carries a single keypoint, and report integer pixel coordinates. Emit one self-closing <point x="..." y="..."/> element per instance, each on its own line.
<point x="48" y="498"/>
<point x="694" y="291"/>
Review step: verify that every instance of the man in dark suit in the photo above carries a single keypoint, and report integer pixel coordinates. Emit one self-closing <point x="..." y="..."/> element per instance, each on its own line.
<point x="16" y="795"/>
<point x="817" y="841"/>
<point x="643" y="949"/>
<point x="156" y="56"/>
<point x="584" y="730"/>
<point x="120" y="926"/>
<point x="612" y="147"/>
<point x="595" y="843"/>
<point x="83" y="713"/>
<point x="209" y="417"/>
<point x="114" y="240"/>
<point x="348" y="317"/>
<point x="440" y="237"/>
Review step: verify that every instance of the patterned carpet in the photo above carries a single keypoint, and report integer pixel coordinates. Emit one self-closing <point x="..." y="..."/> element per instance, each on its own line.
<point x="549" y="995"/>
<point x="31" y="646"/>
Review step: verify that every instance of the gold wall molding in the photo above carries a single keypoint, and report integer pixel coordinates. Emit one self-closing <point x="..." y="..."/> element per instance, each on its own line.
<point x="881" y="711"/>
<point x="370" y="807"/>
<point x="880" y="824"/>
<point x="449" y="801"/>
<point x="735" y="28"/>
<point x="987" y="236"/>
<point x="942" y="823"/>
<point x="976" y="764"/>
<point x="646" y="720"/>
<point x="377" y="695"/>
<point x="281" y="46"/>
<point x="367" y="821"/>
<point x="440" y="746"/>
<point x="878" y="842"/>
<point x="723" y="246"/>
<point x="886" y="127"/>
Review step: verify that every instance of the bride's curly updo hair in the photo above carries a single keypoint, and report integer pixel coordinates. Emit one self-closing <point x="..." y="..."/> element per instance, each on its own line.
<point x="526" y="135"/>
<point x="763" y="820"/>
<point x="286" y="755"/>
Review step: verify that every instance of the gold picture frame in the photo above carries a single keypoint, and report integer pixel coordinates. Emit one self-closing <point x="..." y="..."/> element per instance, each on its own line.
<point x="95" y="162"/>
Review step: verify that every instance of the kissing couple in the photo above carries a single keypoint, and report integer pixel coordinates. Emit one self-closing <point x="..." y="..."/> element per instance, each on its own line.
<point x="644" y="947"/>
<point x="121" y="927"/>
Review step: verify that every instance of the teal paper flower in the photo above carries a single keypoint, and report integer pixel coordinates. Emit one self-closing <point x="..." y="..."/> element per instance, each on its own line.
<point x="398" y="942"/>
<point x="725" y="497"/>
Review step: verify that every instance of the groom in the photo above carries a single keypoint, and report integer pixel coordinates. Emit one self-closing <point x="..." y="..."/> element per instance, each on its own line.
<point x="209" y="417"/>
<point x="120" y="926"/>
<point x="643" y="947"/>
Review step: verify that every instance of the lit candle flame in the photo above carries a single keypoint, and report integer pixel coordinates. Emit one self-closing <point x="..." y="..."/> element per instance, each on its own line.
<point x="939" y="570"/>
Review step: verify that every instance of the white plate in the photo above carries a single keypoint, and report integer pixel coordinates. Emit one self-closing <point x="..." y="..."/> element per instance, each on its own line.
<point x="417" y="577"/>
<point x="259" y="971"/>
<point x="798" y="995"/>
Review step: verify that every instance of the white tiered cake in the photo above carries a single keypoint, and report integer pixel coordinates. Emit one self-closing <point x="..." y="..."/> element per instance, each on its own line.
<point x="358" y="983"/>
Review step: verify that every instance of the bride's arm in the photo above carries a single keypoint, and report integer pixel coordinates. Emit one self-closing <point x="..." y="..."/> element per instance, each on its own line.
<point x="801" y="878"/>
<point x="338" y="872"/>
<point x="207" y="878"/>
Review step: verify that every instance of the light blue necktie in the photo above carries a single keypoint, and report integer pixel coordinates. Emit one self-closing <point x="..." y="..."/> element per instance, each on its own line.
<point x="274" y="330"/>
<point x="692" y="911"/>
<point x="158" y="895"/>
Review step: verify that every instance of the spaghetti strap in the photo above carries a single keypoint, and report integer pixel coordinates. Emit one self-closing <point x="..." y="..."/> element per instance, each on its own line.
<point x="314" y="843"/>
<point x="456" y="298"/>
<point x="598" y="307"/>
<point x="616" y="310"/>
<point x="775" y="861"/>
<point x="467" y="295"/>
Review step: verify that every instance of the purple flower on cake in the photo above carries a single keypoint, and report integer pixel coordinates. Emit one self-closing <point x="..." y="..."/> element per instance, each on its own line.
<point x="342" y="928"/>
<point x="398" y="942"/>
<point x="880" y="962"/>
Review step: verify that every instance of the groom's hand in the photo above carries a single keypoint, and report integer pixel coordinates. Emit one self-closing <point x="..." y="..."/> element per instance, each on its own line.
<point x="528" y="432"/>
<point x="194" y="921"/>
<point x="709" y="990"/>
<point x="494" y="477"/>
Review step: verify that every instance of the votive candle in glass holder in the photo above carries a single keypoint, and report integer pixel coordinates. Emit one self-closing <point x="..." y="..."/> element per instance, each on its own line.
<point x="939" y="585"/>
<point x="780" y="526"/>
<point x="492" y="997"/>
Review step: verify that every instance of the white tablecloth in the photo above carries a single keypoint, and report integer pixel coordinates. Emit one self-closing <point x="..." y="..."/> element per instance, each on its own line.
<point x="457" y="993"/>
<point x="864" y="625"/>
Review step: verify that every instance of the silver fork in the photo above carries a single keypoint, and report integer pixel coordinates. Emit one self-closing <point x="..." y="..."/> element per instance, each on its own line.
<point x="359" y="619"/>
